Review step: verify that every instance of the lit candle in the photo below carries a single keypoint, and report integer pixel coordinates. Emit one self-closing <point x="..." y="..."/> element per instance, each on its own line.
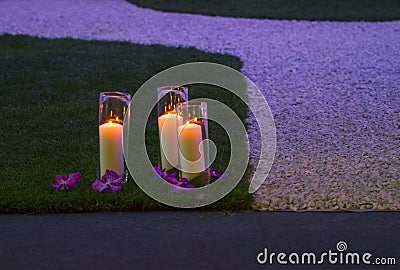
<point x="192" y="156"/>
<point x="167" y="127"/>
<point x="111" y="153"/>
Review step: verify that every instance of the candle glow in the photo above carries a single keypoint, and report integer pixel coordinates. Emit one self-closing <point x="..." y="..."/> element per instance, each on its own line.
<point x="167" y="127"/>
<point x="191" y="152"/>
<point x="111" y="151"/>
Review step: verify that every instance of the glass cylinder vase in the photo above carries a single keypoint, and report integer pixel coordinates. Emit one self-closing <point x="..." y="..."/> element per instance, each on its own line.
<point x="112" y="110"/>
<point x="169" y="97"/>
<point x="192" y="125"/>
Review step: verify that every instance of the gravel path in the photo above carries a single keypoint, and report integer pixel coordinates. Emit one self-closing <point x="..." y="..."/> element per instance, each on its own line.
<point x="333" y="89"/>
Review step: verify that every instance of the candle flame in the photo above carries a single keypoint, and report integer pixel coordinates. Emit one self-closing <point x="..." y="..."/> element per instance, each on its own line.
<point x="114" y="120"/>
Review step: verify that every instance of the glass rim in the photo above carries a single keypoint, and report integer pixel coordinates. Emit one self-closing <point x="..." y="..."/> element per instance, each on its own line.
<point x="115" y="94"/>
<point x="172" y="88"/>
<point x="190" y="104"/>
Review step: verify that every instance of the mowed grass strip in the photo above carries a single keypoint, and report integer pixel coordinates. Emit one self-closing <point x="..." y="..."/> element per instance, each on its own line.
<point x="50" y="90"/>
<point x="314" y="10"/>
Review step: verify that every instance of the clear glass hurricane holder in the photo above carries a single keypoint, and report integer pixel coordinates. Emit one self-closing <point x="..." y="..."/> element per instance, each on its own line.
<point x="192" y="125"/>
<point x="112" y="109"/>
<point x="169" y="97"/>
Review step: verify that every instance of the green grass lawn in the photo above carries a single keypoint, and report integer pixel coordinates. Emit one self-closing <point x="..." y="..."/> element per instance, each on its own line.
<point x="332" y="10"/>
<point x="49" y="93"/>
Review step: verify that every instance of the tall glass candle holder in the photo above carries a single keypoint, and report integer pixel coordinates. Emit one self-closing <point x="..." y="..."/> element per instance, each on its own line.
<point x="192" y="123"/>
<point x="169" y="97"/>
<point x="112" y="110"/>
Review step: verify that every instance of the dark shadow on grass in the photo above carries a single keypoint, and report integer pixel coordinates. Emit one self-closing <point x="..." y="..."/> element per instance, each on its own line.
<point x="313" y="10"/>
<point x="49" y="91"/>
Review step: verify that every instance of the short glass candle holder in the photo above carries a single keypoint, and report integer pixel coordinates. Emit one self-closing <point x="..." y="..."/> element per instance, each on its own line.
<point x="112" y="109"/>
<point x="169" y="97"/>
<point x="192" y="125"/>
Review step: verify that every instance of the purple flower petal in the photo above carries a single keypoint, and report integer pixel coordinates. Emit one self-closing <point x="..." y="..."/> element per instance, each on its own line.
<point x="110" y="175"/>
<point x="118" y="180"/>
<point x="73" y="179"/>
<point x="109" y="181"/>
<point x="66" y="182"/>
<point x="60" y="178"/>
<point x="57" y="186"/>
<point x="173" y="175"/>
<point x="184" y="180"/>
<point x="99" y="186"/>
<point x="158" y="172"/>
<point x="114" y="188"/>
<point x="171" y="180"/>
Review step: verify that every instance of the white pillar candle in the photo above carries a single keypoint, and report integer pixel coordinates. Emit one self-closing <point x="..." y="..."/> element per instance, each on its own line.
<point x="167" y="127"/>
<point x="191" y="152"/>
<point x="111" y="153"/>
